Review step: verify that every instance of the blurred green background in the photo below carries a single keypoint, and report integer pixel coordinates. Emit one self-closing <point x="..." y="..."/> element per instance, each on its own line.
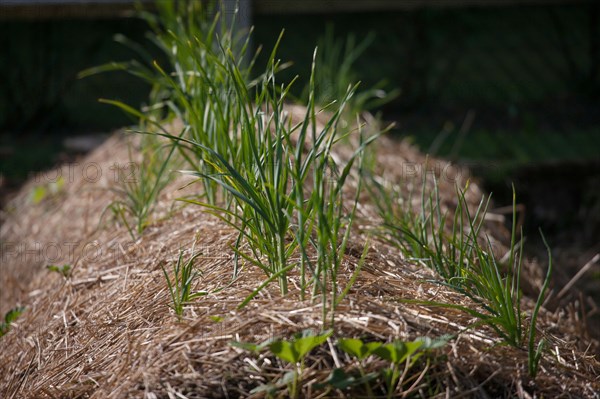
<point x="513" y="91"/>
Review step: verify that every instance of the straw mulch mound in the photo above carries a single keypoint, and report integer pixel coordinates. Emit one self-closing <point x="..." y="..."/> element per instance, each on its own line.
<point x="107" y="331"/>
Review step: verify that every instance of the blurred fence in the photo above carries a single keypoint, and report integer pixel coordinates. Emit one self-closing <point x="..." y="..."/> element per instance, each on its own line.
<point x="538" y="56"/>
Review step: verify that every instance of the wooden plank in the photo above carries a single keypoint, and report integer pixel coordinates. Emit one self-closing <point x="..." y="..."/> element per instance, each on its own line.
<point x="266" y="7"/>
<point x="58" y="9"/>
<point x="63" y="12"/>
<point x="47" y="9"/>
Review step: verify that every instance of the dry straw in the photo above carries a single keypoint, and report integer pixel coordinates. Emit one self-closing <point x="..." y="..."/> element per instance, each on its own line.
<point x="151" y="311"/>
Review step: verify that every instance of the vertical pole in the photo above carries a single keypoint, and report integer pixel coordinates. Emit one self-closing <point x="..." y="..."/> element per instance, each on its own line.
<point x="243" y="19"/>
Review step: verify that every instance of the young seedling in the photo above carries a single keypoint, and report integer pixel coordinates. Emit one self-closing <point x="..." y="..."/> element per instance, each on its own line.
<point x="535" y="354"/>
<point x="290" y="351"/>
<point x="336" y="70"/>
<point x="180" y="286"/>
<point x="360" y="350"/>
<point x="50" y="189"/>
<point x="194" y="85"/>
<point x="238" y="141"/>
<point x="461" y="254"/>
<point x="140" y="184"/>
<point x="396" y="353"/>
<point x="407" y="353"/>
<point x="9" y="318"/>
<point x="64" y="270"/>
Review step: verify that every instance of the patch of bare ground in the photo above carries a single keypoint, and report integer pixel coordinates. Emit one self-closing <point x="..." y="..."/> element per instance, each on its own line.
<point x="107" y="331"/>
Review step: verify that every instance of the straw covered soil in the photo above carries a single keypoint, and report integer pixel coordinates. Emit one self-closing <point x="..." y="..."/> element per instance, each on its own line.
<point x="107" y="331"/>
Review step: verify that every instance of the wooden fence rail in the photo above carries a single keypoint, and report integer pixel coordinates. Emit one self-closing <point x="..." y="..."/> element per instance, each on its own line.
<point x="44" y="9"/>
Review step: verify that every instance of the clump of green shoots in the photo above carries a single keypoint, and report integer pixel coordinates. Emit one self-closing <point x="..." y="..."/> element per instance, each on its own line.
<point x="181" y="284"/>
<point x="140" y="184"/>
<point x="423" y="234"/>
<point x="259" y="181"/>
<point x="336" y="71"/>
<point x="463" y="257"/>
<point x="195" y="88"/>
<point x="274" y="211"/>
<point x="275" y="182"/>
<point x="535" y="354"/>
<point x="354" y="347"/>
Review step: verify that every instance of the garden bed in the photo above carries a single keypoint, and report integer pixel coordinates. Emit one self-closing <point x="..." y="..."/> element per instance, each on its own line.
<point x="106" y="328"/>
<point x="242" y="246"/>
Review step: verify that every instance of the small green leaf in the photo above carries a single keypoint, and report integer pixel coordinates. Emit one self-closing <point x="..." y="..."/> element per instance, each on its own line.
<point x="357" y="348"/>
<point x="397" y="351"/>
<point x="305" y="344"/>
<point x="352" y="346"/>
<point x="387" y="352"/>
<point x="9" y="318"/>
<point x="412" y="347"/>
<point x="372" y="346"/>
<point x="38" y="194"/>
<point x="53" y="268"/>
<point x="64" y="270"/>
<point x="56" y="187"/>
<point x="13" y="314"/>
<point x="285" y="351"/>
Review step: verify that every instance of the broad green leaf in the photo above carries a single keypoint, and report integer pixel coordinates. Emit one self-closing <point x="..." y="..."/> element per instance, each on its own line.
<point x="285" y="351"/>
<point x="397" y="351"/>
<point x="412" y="347"/>
<point x="352" y="346"/>
<point x="357" y="348"/>
<point x="372" y="346"/>
<point x="305" y="344"/>
<point x="388" y="352"/>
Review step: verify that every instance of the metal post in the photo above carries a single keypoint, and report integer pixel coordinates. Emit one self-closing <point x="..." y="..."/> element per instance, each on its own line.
<point x="243" y="19"/>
